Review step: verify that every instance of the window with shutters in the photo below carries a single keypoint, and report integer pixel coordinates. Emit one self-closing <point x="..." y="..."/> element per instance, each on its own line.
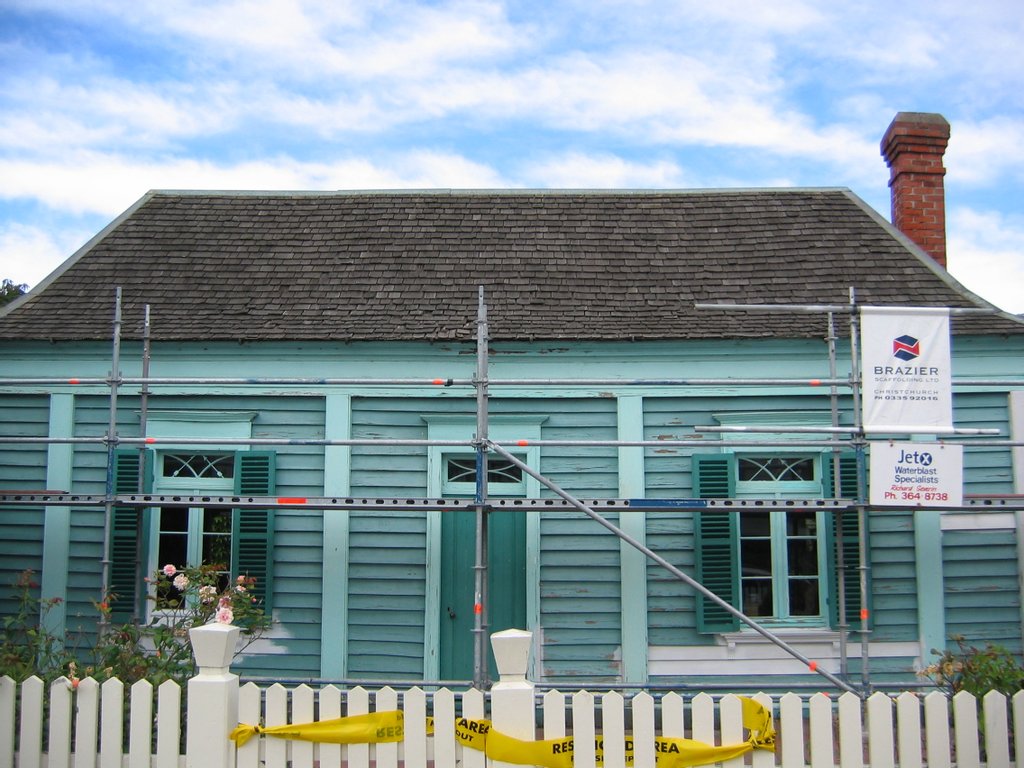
<point x="776" y="566"/>
<point x="238" y="540"/>
<point x="189" y="536"/>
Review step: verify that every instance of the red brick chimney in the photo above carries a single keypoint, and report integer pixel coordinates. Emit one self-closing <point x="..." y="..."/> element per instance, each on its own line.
<point x="913" y="147"/>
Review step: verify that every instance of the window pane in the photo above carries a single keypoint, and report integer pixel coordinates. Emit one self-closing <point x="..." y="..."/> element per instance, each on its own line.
<point x="216" y="538"/>
<point x="803" y="557"/>
<point x="801" y="523"/>
<point x="217" y="520"/>
<point x="771" y="469"/>
<point x="803" y="597"/>
<point x="757" y="597"/>
<point x="217" y="550"/>
<point x="173" y="550"/>
<point x="503" y="471"/>
<point x="199" y="465"/>
<point x="462" y="469"/>
<point x="755" y="524"/>
<point x="756" y="556"/>
<point x="173" y="519"/>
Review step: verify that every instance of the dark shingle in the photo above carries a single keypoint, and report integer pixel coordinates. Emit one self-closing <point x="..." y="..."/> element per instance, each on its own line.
<point x="554" y="265"/>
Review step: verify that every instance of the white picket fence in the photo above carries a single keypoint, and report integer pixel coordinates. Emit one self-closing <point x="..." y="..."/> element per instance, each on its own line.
<point x="86" y="727"/>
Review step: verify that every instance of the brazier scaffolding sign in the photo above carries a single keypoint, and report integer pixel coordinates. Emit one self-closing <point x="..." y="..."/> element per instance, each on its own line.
<point x="905" y="370"/>
<point x="916" y="474"/>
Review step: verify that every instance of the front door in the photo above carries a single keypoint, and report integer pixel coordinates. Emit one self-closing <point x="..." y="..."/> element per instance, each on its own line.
<point x="506" y="565"/>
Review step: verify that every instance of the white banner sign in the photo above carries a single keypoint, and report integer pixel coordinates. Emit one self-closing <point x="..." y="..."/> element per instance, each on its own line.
<point x="905" y="370"/>
<point x="916" y="474"/>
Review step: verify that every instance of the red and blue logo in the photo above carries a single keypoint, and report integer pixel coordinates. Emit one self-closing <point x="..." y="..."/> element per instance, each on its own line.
<point x="906" y="348"/>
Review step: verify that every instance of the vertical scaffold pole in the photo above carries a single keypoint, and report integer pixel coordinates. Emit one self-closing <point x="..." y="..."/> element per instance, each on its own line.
<point x="480" y="611"/>
<point x="140" y="559"/>
<point x="862" y="491"/>
<point x="844" y="626"/>
<point x="111" y="441"/>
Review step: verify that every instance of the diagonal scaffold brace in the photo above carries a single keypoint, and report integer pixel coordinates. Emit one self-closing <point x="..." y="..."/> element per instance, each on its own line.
<point x="676" y="572"/>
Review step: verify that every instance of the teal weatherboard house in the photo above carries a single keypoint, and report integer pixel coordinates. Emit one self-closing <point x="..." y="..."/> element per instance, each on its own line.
<point x="322" y="353"/>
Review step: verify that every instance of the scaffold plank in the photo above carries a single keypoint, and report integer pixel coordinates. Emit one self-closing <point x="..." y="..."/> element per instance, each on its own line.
<point x="61" y="499"/>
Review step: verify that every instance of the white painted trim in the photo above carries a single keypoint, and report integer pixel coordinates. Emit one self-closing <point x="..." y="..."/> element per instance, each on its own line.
<point x="977" y="521"/>
<point x="165" y="426"/>
<point x="1016" y="404"/>
<point x="57" y="520"/>
<point x="1016" y="418"/>
<point x="748" y="655"/>
<point x="633" y="583"/>
<point x="335" y="568"/>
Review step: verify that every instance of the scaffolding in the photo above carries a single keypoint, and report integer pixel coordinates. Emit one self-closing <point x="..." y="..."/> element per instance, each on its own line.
<point x="834" y="438"/>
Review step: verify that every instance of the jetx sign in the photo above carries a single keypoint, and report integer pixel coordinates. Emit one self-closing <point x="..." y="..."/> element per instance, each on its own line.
<point x="916" y="474"/>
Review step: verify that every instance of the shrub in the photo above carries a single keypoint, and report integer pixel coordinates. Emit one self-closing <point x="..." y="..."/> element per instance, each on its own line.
<point x="976" y="670"/>
<point x="156" y="651"/>
<point x="26" y="648"/>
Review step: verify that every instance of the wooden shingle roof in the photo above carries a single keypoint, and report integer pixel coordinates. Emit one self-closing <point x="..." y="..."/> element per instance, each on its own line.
<point x="554" y="265"/>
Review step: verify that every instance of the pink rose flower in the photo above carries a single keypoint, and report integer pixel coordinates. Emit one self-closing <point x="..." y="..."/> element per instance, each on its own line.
<point x="224" y="615"/>
<point x="169" y="570"/>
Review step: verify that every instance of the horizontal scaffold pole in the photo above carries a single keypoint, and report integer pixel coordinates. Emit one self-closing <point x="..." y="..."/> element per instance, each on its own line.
<point x="96" y="381"/>
<point x="369" y="442"/>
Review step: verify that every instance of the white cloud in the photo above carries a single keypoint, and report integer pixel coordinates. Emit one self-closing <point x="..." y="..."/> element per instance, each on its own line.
<point x="292" y="65"/>
<point x="986" y="253"/>
<point x="315" y="40"/>
<point x="983" y="152"/>
<point x="579" y="171"/>
<point x="29" y="253"/>
<point x="107" y="184"/>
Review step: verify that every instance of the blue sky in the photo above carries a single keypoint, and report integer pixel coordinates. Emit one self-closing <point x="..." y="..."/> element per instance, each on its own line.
<point x="102" y="100"/>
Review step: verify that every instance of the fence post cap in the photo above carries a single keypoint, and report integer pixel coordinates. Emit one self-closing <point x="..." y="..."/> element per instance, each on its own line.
<point x="213" y="646"/>
<point x="512" y="653"/>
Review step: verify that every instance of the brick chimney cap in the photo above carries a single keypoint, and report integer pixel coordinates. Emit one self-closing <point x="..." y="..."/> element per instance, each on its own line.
<point x="920" y="118"/>
<point x="927" y="129"/>
<point x="925" y="126"/>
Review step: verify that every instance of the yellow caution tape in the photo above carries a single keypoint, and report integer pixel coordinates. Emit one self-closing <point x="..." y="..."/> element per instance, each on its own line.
<point x="374" y="728"/>
<point x="383" y="727"/>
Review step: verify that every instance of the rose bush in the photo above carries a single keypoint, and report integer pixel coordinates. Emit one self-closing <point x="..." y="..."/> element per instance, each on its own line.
<point x="157" y="650"/>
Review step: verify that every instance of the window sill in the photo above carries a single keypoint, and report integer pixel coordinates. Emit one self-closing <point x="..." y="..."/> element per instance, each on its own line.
<point x="817" y="635"/>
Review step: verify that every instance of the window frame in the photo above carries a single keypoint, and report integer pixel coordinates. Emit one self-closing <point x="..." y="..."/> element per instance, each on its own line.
<point x="716" y="532"/>
<point x="195" y="518"/>
<point x="781" y="573"/>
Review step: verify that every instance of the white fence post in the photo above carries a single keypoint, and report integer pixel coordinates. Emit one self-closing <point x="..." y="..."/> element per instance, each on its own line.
<point x="512" y="697"/>
<point x="212" y="698"/>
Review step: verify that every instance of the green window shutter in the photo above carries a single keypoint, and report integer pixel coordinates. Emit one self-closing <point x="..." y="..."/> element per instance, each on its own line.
<point x="252" y="542"/>
<point x="847" y="520"/>
<point x="717" y="541"/>
<point x="125" y="531"/>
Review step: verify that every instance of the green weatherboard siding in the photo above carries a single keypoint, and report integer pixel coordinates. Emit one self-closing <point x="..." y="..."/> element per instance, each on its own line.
<point x="576" y="580"/>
